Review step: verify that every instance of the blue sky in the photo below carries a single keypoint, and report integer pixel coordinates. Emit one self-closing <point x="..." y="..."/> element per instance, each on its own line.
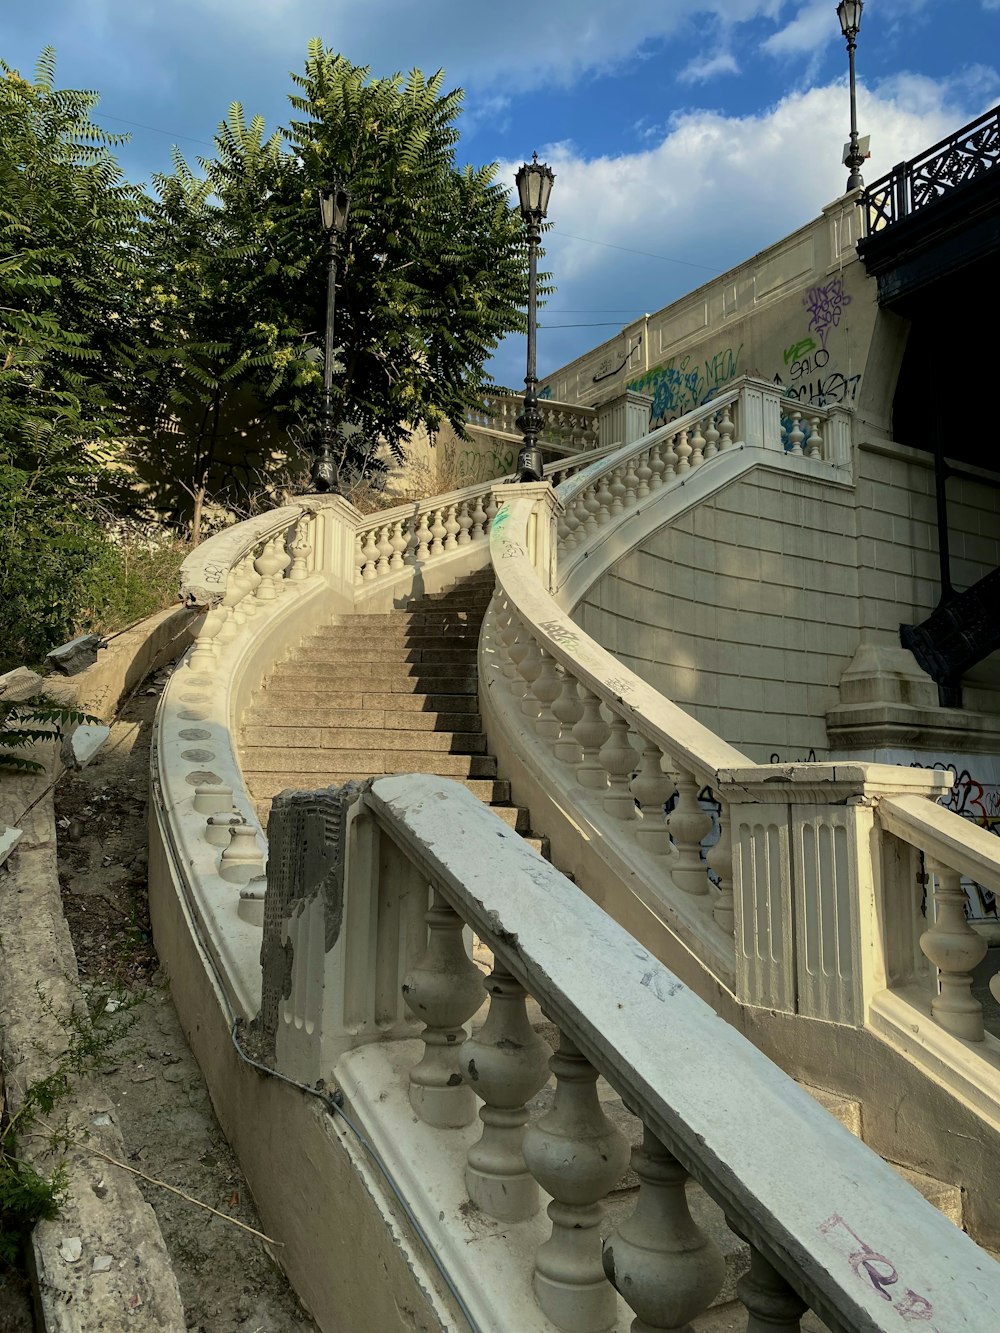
<point x="694" y="132"/>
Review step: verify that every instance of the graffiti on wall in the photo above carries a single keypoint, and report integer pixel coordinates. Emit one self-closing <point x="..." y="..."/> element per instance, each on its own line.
<point x="469" y="465"/>
<point x="978" y="802"/>
<point x="686" y="382"/>
<point x="826" y="305"/>
<point x="808" y="373"/>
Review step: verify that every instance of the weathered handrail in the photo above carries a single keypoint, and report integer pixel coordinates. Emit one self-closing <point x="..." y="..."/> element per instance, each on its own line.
<point x="863" y="1250"/>
<point x="952" y="850"/>
<point x="919" y="181"/>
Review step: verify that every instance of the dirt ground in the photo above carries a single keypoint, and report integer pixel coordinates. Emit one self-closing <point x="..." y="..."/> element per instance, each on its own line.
<point x="228" y="1281"/>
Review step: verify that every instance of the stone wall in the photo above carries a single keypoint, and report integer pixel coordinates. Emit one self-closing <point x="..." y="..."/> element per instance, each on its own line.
<point x="747" y="609"/>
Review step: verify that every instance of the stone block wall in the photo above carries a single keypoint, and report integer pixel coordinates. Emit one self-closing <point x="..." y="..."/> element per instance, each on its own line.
<point x="747" y="609"/>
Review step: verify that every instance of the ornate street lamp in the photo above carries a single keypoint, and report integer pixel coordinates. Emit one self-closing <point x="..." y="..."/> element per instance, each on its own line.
<point x="849" y="13"/>
<point x="534" y="185"/>
<point x="334" y="204"/>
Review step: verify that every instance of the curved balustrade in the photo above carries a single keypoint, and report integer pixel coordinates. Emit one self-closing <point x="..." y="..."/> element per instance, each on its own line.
<point x="749" y="414"/>
<point x="830" y="1226"/>
<point x="566" y="425"/>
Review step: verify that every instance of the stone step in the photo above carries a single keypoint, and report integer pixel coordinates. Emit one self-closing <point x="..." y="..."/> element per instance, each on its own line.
<point x="278" y="714"/>
<point x="372" y="656"/>
<point x="303" y="736"/>
<point x="284" y="696"/>
<point x="323" y="764"/>
<point x="422" y="679"/>
<point x="451" y="601"/>
<point x="410" y="636"/>
<point x="491" y="791"/>
<point x="414" y="618"/>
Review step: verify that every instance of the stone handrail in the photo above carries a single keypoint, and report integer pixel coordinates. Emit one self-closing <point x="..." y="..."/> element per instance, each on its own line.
<point x="830" y="1225"/>
<point x="567" y="424"/>
<point x="952" y="849"/>
<point x="748" y="413"/>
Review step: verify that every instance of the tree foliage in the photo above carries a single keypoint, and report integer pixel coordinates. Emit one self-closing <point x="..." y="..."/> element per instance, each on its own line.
<point x="68" y="256"/>
<point x="433" y="267"/>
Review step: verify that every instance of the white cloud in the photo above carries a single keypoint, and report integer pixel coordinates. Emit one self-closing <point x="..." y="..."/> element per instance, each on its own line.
<point x="812" y="28"/>
<point x="701" y="70"/>
<point x="515" y="45"/>
<point x="714" y="190"/>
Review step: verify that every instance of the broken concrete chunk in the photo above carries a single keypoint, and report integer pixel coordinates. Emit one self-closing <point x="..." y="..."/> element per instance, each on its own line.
<point x="71" y="1249"/>
<point x="77" y="655"/>
<point x="102" y="1263"/>
<point x="84" y="744"/>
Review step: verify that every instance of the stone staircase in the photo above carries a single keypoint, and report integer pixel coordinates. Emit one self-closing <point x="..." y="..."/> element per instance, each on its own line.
<point x="374" y="694"/>
<point x="397" y="693"/>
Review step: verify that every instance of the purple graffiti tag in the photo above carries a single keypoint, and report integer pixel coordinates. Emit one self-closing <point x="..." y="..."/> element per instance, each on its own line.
<point x="864" y="1257"/>
<point x="826" y="307"/>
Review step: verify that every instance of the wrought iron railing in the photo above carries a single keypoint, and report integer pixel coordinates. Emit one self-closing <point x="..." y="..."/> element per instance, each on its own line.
<point x="951" y="162"/>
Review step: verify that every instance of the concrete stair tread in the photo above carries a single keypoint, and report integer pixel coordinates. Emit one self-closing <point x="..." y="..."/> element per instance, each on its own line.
<point x="375" y="655"/>
<point x="281" y="759"/>
<point x="315" y="675"/>
<point x="282" y="696"/>
<point x="332" y="739"/>
<point x="353" y="719"/>
<point x="264" y="785"/>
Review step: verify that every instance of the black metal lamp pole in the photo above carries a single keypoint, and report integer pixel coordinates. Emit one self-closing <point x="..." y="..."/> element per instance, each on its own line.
<point x="534" y="185"/>
<point x="334" y="205"/>
<point x="849" y="13"/>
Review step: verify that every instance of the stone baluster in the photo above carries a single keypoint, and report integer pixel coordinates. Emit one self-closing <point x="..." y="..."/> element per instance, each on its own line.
<point x="652" y="788"/>
<point x="631" y="485"/>
<point x="659" y="1259"/>
<point x="618" y="758"/>
<point x="711" y="437"/>
<point x="720" y="860"/>
<point x="656" y="466"/>
<point x="592" y="505"/>
<point x="955" y="949"/>
<point x="370" y="570"/>
<point x="644" y="475"/>
<point x="251" y="577"/>
<point x="815" y="441"/>
<point x="205" y="653"/>
<point x="796" y="435"/>
<point x="359" y="557"/>
<point x="684" y="450"/>
<point x="547" y="688"/>
<point x="384" y="551"/>
<point x="590" y="732"/>
<point x="452" y="527"/>
<point x="443" y="990"/>
<point x="617" y="489"/>
<point x="567" y="709"/>
<point x="504" y="1064"/>
<point x="423" y="538"/>
<point x="285" y="556"/>
<point x="571" y="524"/>
<point x="576" y="1154"/>
<point x="301" y="550"/>
<point x="507" y="630"/>
<point x="671" y="459"/>
<point x="464" y="520"/>
<point x="687" y="824"/>
<point x="491" y="511"/>
<point x="530" y="668"/>
<point x="605" y="500"/>
<point x="478" y="529"/>
<point x="727" y="429"/>
<point x="773" y="1306"/>
<point x="234" y="604"/>
<point x="213" y="799"/>
<point x="697" y="445"/>
<point x="399" y="542"/>
<point x="242" y="860"/>
<point x="438" y="532"/>
<point x="517" y="651"/>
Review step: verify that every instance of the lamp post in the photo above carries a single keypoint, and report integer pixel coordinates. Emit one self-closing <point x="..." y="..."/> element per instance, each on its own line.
<point x="849" y="13"/>
<point x="534" y="185"/>
<point x="334" y="204"/>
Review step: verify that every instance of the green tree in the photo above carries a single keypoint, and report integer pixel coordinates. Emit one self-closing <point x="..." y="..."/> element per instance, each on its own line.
<point x="224" y="345"/>
<point x="69" y="227"/>
<point x="433" y="267"/>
